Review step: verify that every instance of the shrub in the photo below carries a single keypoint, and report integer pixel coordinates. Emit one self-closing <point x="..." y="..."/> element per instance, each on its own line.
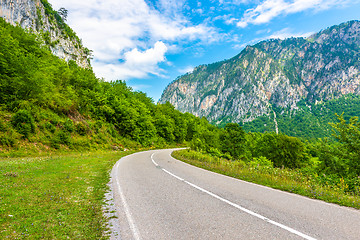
<point x="49" y="126"/>
<point x="282" y="150"/>
<point x="81" y="128"/>
<point x="261" y="161"/>
<point x="6" y="140"/>
<point x="196" y="144"/>
<point x="69" y="126"/>
<point x="3" y="126"/>
<point x="23" y="122"/>
<point x="61" y="137"/>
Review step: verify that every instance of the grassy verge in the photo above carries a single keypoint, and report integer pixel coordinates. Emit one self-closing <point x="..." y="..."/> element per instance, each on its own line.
<point x="293" y="181"/>
<point x="54" y="197"/>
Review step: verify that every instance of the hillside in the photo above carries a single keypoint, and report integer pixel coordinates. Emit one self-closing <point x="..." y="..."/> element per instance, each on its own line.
<point x="38" y="16"/>
<point x="292" y="86"/>
<point x="47" y="103"/>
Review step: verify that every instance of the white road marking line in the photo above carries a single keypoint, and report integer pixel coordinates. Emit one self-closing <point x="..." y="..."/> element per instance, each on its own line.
<point x="179" y="178"/>
<point x="236" y="205"/>
<point x="152" y="159"/>
<point x="265" y="187"/>
<point x="129" y="217"/>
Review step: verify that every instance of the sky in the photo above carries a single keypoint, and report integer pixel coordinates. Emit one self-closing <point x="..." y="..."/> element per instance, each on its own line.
<point x="149" y="43"/>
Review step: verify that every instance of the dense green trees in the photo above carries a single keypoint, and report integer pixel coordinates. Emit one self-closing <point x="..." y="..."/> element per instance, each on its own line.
<point x="232" y="140"/>
<point x="282" y="150"/>
<point x="62" y="105"/>
<point x="233" y="143"/>
<point x="344" y="158"/>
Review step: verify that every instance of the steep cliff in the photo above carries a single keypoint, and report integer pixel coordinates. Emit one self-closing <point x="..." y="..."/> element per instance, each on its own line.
<point x="37" y="16"/>
<point x="273" y="76"/>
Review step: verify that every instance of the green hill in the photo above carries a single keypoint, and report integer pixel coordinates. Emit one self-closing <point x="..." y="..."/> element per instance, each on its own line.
<point x="47" y="103"/>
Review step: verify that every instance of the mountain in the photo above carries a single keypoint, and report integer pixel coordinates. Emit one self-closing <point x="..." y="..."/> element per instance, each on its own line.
<point x="38" y="16"/>
<point x="295" y="78"/>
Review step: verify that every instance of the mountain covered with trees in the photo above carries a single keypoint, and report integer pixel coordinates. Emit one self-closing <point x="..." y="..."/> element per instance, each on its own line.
<point x="38" y="17"/>
<point x="47" y="103"/>
<point x="293" y="86"/>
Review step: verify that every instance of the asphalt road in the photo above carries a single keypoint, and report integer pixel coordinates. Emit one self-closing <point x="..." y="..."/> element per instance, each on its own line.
<point x="158" y="197"/>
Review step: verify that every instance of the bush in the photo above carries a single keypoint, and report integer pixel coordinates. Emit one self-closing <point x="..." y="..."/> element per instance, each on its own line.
<point x="61" y="137"/>
<point x="261" y="161"/>
<point x="69" y="126"/>
<point x="3" y="126"/>
<point x="49" y="126"/>
<point x="81" y="128"/>
<point x="282" y="150"/>
<point x="6" y="140"/>
<point x="23" y="122"/>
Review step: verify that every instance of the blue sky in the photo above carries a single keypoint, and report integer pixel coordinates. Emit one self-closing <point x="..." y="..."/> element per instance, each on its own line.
<point x="149" y="43"/>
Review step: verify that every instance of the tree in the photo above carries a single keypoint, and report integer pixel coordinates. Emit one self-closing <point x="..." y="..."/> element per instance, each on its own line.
<point x="63" y="13"/>
<point x="282" y="150"/>
<point x="233" y="140"/>
<point x="348" y="133"/>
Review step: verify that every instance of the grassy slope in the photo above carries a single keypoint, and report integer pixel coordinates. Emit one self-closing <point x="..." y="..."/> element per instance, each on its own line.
<point x="284" y="179"/>
<point x="55" y="197"/>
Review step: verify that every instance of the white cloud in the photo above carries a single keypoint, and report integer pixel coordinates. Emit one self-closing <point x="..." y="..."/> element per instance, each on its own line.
<point x="188" y="69"/>
<point x="150" y="56"/>
<point x="171" y="7"/>
<point x="234" y="2"/>
<point x="140" y="86"/>
<point x="282" y="34"/>
<point x="136" y="64"/>
<point x="270" y="9"/>
<point x="133" y="32"/>
<point x="286" y="33"/>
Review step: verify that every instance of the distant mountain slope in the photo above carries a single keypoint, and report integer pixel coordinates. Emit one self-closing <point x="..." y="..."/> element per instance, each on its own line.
<point x="39" y="17"/>
<point x="274" y="78"/>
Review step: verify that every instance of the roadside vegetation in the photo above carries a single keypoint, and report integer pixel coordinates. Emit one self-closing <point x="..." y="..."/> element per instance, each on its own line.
<point x="323" y="169"/>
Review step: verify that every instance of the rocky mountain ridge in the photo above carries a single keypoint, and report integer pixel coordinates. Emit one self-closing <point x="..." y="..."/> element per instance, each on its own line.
<point x="37" y="16"/>
<point x="273" y="76"/>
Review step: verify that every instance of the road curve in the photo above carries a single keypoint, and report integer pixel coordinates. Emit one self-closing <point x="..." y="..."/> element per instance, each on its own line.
<point x="159" y="197"/>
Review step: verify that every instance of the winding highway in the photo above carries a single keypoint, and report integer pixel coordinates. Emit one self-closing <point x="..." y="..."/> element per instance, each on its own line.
<point x="159" y="197"/>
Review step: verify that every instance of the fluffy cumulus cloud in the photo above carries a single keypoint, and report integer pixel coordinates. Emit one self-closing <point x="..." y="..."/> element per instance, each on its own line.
<point x="130" y="38"/>
<point x="135" y="64"/>
<point x="269" y="9"/>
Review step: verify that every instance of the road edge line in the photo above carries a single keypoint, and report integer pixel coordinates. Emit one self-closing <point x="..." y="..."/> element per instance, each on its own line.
<point x="129" y="217"/>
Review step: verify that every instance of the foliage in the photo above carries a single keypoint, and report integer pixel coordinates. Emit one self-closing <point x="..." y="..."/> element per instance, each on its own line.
<point x="63" y="13"/>
<point x="59" y="105"/>
<point x="260" y="171"/>
<point x="310" y="121"/>
<point x="261" y="162"/>
<point x="282" y="150"/>
<point x="232" y="140"/>
<point x="348" y="134"/>
<point x="60" y="17"/>
<point x="23" y="122"/>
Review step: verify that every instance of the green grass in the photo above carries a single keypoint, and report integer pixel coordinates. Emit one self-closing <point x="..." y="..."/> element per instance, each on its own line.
<point x="295" y="181"/>
<point x="58" y="197"/>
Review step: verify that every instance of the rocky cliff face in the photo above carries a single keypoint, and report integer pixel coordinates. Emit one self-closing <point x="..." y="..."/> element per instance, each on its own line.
<point x="274" y="74"/>
<point x="37" y="16"/>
